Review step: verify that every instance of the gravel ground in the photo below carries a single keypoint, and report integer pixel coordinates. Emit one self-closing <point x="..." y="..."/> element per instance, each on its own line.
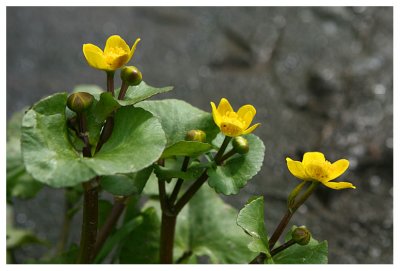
<point x="321" y="78"/>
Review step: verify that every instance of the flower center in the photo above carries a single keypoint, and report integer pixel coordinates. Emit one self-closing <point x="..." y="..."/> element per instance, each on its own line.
<point x="230" y="129"/>
<point x="114" y="53"/>
<point x="318" y="172"/>
<point x="232" y="124"/>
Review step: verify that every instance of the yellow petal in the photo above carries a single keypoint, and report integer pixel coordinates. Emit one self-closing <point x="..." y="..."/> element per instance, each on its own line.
<point x="339" y="185"/>
<point x="338" y="168"/>
<point x="94" y="56"/>
<point x="247" y="113"/>
<point x="224" y="106"/>
<point x="297" y="169"/>
<point x="313" y="157"/>
<point x="251" y="129"/>
<point x="133" y="48"/>
<point x="216" y="115"/>
<point x="116" y="41"/>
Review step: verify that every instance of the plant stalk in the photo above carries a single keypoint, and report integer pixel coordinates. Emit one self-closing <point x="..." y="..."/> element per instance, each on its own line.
<point x="228" y="155"/>
<point x="286" y="245"/>
<point x="184" y="257"/>
<point x="170" y="213"/>
<point x="179" y="182"/>
<point x="167" y="238"/>
<point x="122" y="91"/>
<point x="259" y="259"/>
<point x="106" y="132"/>
<point x="289" y="213"/>
<point x="110" y="82"/>
<point x="89" y="223"/>
<point x="202" y="179"/>
<point x="284" y="221"/>
<point x="90" y="204"/>
<point x="220" y="153"/>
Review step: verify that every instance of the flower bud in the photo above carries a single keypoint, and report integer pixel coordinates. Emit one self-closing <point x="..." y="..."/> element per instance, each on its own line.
<point x="301" y="235"/>
<point x="240" y="145"/>
<point x="80" y="101"/>
<point x="196" y="135"/>
<point x="131" y="75"/>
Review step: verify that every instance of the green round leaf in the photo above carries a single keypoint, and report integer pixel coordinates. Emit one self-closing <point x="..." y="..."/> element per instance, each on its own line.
<point x="48" y="155"/>
<point x="213" y="231"/>
<point x="251" y="220"/>
<point x="136" y="142"/>
<point x="178" y="117"/>
<point x="234" y="174"/>
<point x="143" y="245"/>
<point x="138" y="93"/>
<point x="186" y="148"/>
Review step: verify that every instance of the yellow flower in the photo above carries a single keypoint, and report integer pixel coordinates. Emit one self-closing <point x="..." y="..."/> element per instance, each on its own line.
<point x="314" y="167"/>
<point x="115" y="55"/>
<point x="231" y="123"/>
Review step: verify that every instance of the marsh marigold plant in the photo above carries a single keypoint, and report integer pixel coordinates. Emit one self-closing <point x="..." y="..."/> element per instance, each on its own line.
<point x="100" y="144"/>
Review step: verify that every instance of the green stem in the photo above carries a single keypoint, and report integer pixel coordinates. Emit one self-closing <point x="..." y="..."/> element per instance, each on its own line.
<point x="86" y="151"/>
<point x="190" y="193"/>
<point x="89" y="223"/>
<point x="184" y="256"/>
<point x="170" y="213"/>
<point x="284" y="221"/>
<point x="286" y="245"/>
<point x="90" y="204"/>
<point x="289" y="213"/>
<point x="122" y="91"/>
<point x="168" y="223"/>
<point x="179" y="182"/>
<point x="110" y="82"/>
<point x="202" y="179"/>
<point x="109" y="124"/>
<point x="220" y="153"/>
<point x="259" y="259"/>
<point x="227" y="155"/>
<point x="280" y="228"/>
<point x="305" y="196"/>
<point x="163" y="196"/>
<point x="106" y="132"/>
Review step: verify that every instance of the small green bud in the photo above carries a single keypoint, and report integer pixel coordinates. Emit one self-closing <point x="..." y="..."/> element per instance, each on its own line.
<point x="131" y="75"/>
<point x="240" y="145"/>
<point x="301" y="235"/>
<point x="80" y="101"/>
<point x="196" y="135"/>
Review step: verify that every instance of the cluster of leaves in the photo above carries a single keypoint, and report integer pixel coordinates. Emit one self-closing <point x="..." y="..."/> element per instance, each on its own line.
<point x="144" y="132"/>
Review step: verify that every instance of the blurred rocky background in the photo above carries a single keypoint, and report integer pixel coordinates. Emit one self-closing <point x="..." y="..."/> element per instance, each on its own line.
<point x="321" y="79"/>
